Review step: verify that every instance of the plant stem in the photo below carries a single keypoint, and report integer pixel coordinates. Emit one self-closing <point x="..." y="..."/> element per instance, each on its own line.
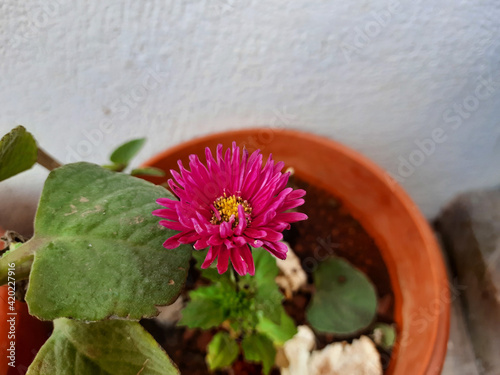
<point x="21" y="258"/>
<point x="46" y="160"/>
<point x="236" y="280"/>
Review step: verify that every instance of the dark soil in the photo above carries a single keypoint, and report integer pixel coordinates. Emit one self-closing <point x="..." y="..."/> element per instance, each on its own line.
<point x="329" y="231"/>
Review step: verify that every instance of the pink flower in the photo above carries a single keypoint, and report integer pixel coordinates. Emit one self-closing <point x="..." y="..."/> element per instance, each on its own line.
<point x="229" y="205"/>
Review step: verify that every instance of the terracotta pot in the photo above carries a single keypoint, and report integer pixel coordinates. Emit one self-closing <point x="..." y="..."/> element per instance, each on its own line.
<point x="30" y="333"/>
<point x="409" y="249"/>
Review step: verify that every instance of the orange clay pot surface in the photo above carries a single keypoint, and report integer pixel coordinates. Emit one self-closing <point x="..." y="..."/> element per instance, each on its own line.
<point x="409" y="249"/>
<point x="30" y="333"/>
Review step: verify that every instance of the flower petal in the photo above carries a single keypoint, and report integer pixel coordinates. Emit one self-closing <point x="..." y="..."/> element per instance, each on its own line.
<point x="246" y="254"/>
<point x="255" y="233"/>
<point x="172" y="242"/>
<point x="223" y="260"/>
<point x="201" y="244"/>
<point x="167" y="202"/>
<point x="165" y="213"/>
<point x="225" y="229"/>
<point x="189" y="237"/>
<point x="215" y="240"/>
<point x="278" y="249"/>
<point x="174" y="225"/>
<point x="238" y="263"/>
<point x="213" y="252"/>
<point x="272" y="235"/>
<point x="242" y="221"/>
<point x="253" y="242"/>
<point x="291" y="217"/>
<point x="239" y="241"/>
<point x="291" y="204"/>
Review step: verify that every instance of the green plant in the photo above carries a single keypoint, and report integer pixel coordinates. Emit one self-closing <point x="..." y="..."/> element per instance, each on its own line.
<point x="98" y="255"/>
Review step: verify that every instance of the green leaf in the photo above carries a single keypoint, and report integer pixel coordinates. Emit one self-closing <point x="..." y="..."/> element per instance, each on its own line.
<point x="279" y="333"/>
<point x="266" y="269"/>
<point x="256" y="295"/>
<point x="124" y="153"/>
<point x="114" y="347"/>
<point x="148" y="171"/>
<point x="345" y="300"/>
<point x="268" y="297"/>
<point x="258" y="348"/>
<point x="268" y="300"/>
<point x="222" y="351"/>
<point x="384" y="335"/>
<point x="98" y="249"/>
<point x="18" y="152"/>
<point x="205" y="309"/>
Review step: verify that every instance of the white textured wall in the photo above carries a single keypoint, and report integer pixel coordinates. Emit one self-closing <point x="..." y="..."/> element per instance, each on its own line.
<point x="378" y="76"/>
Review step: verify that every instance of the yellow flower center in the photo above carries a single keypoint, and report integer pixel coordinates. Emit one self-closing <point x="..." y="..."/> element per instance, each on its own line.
<point x="227" y="207"/>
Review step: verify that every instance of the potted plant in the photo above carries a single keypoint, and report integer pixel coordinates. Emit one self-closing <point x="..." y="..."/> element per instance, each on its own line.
<point x="77" y="274"/>
<point x="409" y="250"/>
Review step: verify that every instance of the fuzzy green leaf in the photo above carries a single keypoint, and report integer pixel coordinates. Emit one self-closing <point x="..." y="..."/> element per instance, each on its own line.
<point x="222" y="351"/>
<point x="98" y="249"/>
<point x="345" y="300"/>
<point x="18" y="152"/>
<point x="124" y="153"/>
<point x="259" y="348"/>
<point x="114" y="347"/>
<point x="279" y="333"/>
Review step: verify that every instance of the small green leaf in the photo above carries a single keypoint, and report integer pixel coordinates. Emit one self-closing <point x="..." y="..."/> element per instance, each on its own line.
<point x="258" y="348"/>
<point x="114" y="347"/>
<point x="268" y="297"/>
<point x="384" y="335"/>
<point x="148" y="171"/>
<point x="205" y="309"/>
<point x="345" y="300"/>
<point x="18" y="152"/>
<point x="98" y="249"/>
<point x="268" y="300"/>
<point x="222" y="351"/>
<point x="266" y="269"/>
<point x="124" y="153"/>
<point x="279" y="333"/>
